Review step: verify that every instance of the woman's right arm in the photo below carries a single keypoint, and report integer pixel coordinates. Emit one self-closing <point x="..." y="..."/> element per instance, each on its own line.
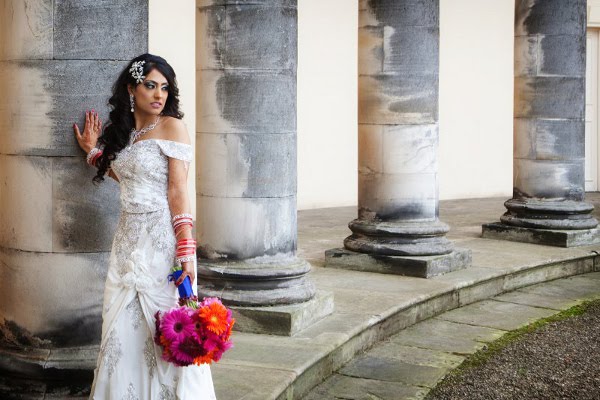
<point x="88" y="139"/>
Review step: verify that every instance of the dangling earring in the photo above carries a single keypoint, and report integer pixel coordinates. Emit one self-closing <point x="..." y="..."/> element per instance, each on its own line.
<point x="131" y="102"/>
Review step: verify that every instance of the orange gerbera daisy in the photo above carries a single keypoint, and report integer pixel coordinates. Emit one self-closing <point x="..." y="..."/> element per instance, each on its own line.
<point x="164" y="341"/>
<point x="214" y="317"/>
<point x="205" y="359"/>
<point x="229" y="328"/>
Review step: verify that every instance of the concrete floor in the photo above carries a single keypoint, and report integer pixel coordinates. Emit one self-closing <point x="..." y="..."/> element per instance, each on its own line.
<point x="325" y="228"/>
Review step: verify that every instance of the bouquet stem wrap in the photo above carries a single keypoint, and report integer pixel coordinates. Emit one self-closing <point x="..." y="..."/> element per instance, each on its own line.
<point x="185" y="289"/>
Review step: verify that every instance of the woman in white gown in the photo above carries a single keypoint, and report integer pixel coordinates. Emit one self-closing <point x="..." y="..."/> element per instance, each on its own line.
<point x="145" y="147"/>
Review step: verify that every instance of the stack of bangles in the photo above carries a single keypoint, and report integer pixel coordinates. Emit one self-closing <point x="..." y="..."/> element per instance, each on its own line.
<point x="93" y="156"/>
<point x="186" y="248"/>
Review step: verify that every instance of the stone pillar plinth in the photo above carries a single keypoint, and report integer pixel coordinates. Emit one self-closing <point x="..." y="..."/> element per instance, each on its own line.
<point x="548" y="204"/>
<point x="398" y="133"/>
<point x="246" y="152"/>
<point x="57" y="58"/>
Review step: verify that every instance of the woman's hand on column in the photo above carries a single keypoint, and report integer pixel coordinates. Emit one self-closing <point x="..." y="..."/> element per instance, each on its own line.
<point x="91" y="131"/>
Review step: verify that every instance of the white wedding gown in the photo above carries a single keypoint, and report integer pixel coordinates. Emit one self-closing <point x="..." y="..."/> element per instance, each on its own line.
<point x="129" y="364"/>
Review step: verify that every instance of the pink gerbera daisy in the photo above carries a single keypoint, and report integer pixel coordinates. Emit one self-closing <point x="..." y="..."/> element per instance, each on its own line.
<point x="220" y="349"/>
<point x="209" y="300"/>
<point x="177" y="325"/>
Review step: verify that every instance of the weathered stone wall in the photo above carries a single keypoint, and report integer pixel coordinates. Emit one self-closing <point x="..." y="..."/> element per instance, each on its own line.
<point x="57" y="59"/>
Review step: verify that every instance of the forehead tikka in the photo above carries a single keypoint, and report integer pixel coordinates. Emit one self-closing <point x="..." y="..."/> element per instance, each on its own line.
<point x="137" y="71"/>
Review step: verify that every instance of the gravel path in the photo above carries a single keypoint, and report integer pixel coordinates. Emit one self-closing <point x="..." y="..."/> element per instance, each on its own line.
<point x="561" y="360"/>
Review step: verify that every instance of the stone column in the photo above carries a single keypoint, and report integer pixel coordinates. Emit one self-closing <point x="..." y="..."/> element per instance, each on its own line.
<point x="246" y="152"/>
<point x="57" y="58"/>
<point x="398" y="139"/>
<point x="549" y="128"/>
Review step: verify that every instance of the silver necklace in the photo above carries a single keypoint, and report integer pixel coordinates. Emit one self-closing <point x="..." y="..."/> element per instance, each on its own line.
<point x="135" y="134"/>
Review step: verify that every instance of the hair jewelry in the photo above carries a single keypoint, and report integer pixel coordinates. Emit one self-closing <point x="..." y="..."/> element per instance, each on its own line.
<point x="137" y="71"/>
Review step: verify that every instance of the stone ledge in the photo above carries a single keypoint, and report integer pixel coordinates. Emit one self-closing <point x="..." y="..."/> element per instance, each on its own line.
<point x="548" y="237"/>
<point x="283" y="320"/>
<point x="419" y="266"/>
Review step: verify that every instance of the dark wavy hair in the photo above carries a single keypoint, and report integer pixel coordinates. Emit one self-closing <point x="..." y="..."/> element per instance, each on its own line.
<point x="118" y="130"/>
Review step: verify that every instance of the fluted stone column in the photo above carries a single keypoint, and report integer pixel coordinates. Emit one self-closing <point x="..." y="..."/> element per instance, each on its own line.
<point x="549" y="127"/>
<point x="57" y="58"/>
<point x="398" y="143"/>
<point x="246" y="152"/>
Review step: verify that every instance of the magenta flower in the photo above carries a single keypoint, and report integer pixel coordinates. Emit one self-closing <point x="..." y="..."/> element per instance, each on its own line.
<point x="222" y="347"/>
<point x="177" y="325"/>
<point x="186" y="350"/>
<point x="188" y="334"/>
<point x="210" y="341"/>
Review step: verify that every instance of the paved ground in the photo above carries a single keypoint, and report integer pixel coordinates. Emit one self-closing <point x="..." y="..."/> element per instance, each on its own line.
<point x="410" y="363"/>
<point x="558" y="360"/>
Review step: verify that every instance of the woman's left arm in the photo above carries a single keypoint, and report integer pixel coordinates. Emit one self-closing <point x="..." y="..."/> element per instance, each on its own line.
<point x="178" y="196"/>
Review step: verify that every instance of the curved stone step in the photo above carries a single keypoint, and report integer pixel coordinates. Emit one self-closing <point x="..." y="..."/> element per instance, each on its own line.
<point x="372" y="307"/>
<point x="410" y="363"/>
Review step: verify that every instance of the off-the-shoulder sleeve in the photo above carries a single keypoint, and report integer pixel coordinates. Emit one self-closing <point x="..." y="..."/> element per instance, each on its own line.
<point x="180" y="151"/>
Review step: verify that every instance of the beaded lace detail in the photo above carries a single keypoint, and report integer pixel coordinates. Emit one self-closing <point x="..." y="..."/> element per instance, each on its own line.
<point x="142" y="169"/>
<point x="135" y="312"/>
<point x="150" y="355"/>
<point x="167" y="393"/>
<point x="111" y="352"/>
<point x="130" y="395"/>
<point x="158" y="225"/>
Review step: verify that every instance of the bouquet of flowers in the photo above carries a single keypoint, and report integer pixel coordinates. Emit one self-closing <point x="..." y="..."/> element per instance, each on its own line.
<point x="196" y="332"/>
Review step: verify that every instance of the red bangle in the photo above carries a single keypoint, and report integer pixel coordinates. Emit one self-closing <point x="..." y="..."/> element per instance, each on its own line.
<point x="95" y="158"/>
<point x="186" y="247"/>
<point x="186" y="241"/>
<point x="178" y="228"/>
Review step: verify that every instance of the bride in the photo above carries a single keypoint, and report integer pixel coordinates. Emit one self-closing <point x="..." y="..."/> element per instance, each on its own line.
<point x="146" y="148"/>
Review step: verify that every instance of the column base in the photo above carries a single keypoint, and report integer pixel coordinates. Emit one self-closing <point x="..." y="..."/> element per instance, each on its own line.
<point x="419" y="266"/>
<point x="35" y="373"/>
<point x="251" y="283"/>
<point x="399" y="238"/>
<point x="283" y="320"/>
<point x="548" y="237"/>
<point x="548" y="214"/>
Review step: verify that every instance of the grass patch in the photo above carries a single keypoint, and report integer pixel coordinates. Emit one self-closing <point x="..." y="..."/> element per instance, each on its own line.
<point x="480" y="357"/>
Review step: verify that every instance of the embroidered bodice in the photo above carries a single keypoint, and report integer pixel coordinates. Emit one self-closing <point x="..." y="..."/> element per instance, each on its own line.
<point x="142" y="169"/>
